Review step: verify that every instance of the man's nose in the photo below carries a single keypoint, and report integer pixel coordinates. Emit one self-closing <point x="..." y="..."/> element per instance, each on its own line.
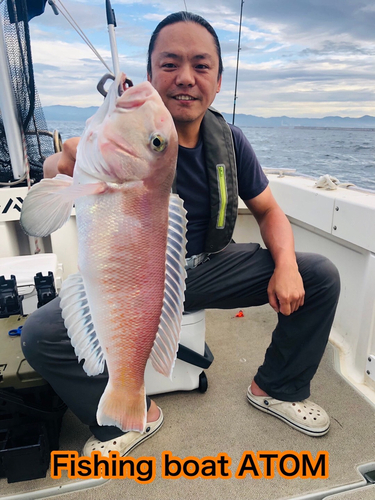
<point x="185" y="76"/>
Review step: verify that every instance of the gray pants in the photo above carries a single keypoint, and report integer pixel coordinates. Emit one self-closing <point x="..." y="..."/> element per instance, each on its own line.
<point x="237" y="277"/>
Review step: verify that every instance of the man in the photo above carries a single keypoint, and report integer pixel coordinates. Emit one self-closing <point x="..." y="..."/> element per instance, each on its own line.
<point x="215" y="162"/>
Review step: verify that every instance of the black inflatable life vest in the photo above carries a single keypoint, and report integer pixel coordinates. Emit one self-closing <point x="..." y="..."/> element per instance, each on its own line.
<point x="222" y="175"/>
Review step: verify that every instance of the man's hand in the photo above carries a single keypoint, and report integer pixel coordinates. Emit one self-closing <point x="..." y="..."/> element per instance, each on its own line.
<point x="285" y="289"/>
<point x="63" y="162"/>
<point x="68" y="156"/>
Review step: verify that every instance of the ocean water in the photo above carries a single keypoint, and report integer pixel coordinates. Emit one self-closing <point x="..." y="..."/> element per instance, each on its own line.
<point x="348" y="155"/>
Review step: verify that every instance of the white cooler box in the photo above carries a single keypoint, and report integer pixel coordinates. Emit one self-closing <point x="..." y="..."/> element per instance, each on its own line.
<point x="193" y="355"/>
<point x="24" y="268"/>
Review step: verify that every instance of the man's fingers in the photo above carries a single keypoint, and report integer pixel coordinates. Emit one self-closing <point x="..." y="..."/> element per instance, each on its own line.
<point x="68" y="156"/>
<point x="66" y="168"/>
<point x="290" y="306"/>
<point x="302" y="300"/>
<point x="274" y="303"/>
<point x="286" y="308"/>
<point x="50" y="166"/>
<point x="286" y="293"/>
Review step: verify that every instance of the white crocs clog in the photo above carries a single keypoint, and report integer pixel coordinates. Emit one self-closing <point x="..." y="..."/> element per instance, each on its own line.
<point x="305" y="416"/>
<point x="123" y="444"/>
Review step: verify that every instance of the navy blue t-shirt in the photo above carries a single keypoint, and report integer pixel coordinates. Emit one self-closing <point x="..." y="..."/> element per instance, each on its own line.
<point x="193" y="187"/>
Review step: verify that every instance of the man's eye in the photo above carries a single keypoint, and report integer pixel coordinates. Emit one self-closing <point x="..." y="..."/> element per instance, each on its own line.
<point x="168" y="65"/>
<point x="202" y="66"/>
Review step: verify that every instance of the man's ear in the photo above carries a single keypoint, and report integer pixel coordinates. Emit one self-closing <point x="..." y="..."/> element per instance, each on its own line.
<point x="219" y="84"/>
<point x="148" y="77"/>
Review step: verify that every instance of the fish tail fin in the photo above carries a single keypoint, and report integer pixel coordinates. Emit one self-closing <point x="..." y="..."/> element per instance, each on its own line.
<point x="115" y="408"/>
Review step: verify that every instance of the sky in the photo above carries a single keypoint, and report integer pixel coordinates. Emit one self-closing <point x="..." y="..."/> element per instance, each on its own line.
<point x="299" y="58"/>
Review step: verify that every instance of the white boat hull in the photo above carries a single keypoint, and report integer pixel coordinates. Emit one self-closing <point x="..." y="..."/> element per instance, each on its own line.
<point x="340" y="225"/>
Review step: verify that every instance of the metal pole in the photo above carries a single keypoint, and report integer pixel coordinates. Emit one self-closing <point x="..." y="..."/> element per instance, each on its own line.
<point x="111" y="21"/>
<point x="9" y="114"/>
<point x="238" y="60"/>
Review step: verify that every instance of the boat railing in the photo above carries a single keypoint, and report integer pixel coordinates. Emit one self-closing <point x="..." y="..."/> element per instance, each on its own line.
<point x="292" y="172"/>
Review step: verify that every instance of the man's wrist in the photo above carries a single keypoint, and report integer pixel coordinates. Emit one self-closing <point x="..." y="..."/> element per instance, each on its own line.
<point x="286" y="261"/>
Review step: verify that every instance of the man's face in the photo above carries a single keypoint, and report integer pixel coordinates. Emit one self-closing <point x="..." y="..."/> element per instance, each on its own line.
<point x="185" y="67"/>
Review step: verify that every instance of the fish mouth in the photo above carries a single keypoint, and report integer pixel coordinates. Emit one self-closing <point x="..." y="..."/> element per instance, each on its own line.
<point x="133" y="97"/>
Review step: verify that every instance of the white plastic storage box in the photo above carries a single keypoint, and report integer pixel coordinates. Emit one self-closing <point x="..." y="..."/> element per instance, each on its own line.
<point x="24" y="268"/>
<point x="185" y="377"/>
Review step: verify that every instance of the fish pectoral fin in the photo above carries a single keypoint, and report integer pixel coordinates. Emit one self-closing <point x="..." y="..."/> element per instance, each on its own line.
<point x="78" y="322"/>
<point x="164" y="350"/>
<point x="48" y="204"/>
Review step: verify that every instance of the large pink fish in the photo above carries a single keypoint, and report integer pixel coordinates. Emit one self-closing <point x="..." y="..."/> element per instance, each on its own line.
<point x="125" y="304"/>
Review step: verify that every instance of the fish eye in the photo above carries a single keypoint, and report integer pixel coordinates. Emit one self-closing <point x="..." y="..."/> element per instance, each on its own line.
<point x="158" y="143"/>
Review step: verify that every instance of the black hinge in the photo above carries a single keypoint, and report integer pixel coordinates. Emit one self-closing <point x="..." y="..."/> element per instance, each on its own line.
<point x="45" y="288"/>
<point x="10" y="301"/>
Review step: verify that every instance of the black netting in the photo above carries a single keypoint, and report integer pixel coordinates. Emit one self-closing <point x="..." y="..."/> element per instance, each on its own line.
<point x="13" y="16"/>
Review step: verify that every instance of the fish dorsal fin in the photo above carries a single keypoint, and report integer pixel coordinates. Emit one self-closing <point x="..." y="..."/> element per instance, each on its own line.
<point x="48" y="204"/>
<point x="164" y="350"/>
<point x="78" y="322"/>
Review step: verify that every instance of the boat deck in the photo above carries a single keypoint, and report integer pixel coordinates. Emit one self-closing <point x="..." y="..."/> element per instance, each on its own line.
<point x="222" y="421"/>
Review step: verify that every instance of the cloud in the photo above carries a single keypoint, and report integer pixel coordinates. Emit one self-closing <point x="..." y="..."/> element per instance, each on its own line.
<point x="300" y="57"/>
<point x="329" y="47"/>
<point x="329" y="17"/>
<point x="155" y="17"/>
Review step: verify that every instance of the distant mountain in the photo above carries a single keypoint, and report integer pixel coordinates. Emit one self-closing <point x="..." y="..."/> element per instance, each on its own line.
<point x="285" y="121"/>
<point x="68" y="113"/>
<point x="74" y="113"/>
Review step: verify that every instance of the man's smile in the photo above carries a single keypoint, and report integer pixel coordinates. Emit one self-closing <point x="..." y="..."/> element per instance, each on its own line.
<point x="184" y="97"/>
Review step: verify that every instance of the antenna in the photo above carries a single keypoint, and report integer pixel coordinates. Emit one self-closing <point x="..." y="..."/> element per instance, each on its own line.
<point x="238" y="61"/>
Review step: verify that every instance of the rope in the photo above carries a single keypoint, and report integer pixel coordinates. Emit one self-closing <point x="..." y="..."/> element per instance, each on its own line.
<point x="14" y="183"/>
<point x="329" y="182"/>
<point x="75" y="26"/>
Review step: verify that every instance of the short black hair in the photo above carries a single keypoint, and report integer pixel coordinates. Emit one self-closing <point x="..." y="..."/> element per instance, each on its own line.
<point x="178" y="17"/>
